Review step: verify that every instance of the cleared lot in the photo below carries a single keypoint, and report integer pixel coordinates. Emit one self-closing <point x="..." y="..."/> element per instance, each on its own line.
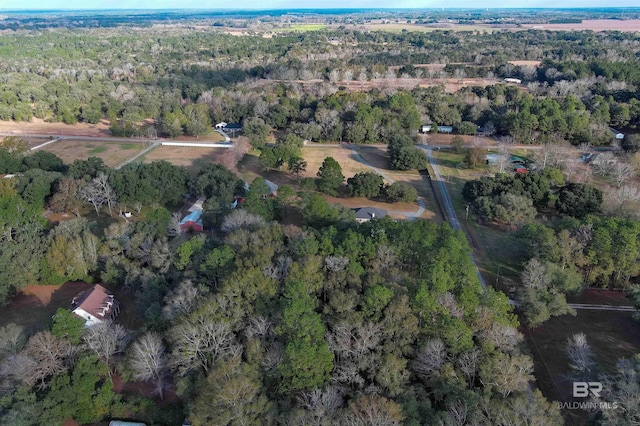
<point x="112" y="153"/>
<point x="194" y="158"/>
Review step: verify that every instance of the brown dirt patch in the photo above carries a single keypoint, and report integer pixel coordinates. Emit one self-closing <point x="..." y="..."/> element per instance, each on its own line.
<point x="33" y="306"/>
<point x="38" y="126"/>
<point x="526" y="63"/>
<point x="611" y="335"/>
<point x="112" y="153"/>
<point x="629" y="25"/>
<point x="145" y="389"/>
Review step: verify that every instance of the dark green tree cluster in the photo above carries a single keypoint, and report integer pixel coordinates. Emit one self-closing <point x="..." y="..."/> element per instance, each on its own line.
<point x="516" y="199"/>
<point x="404" y="155"/>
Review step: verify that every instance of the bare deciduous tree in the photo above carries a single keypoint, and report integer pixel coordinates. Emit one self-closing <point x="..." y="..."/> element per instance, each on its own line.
<point x="149" y="360"/>
<point x="581" y="356"/>
<point x="624" y="201"/>
<point x="12" y="339"/>
<point x="46" y="355"/>
<point x="106" y="340"/>
<point x="336" y="263"/>
<point x="603" y="163"/>
<point x="468" y="363"/>
<point x="181" y="300"/>
<point x="241" y="219"/>
<point x="621" y="172"/>
<point x="430" y="358"/>
<point x="199" y="342"/>
<point x="101" y="183"/>
<point x="535" y="275"/>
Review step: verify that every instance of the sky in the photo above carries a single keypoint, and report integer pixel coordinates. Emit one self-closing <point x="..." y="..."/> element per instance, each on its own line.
<point x="301" y="4"/>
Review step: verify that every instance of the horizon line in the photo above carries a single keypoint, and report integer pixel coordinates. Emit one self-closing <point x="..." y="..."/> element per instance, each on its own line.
<point x="314" y="8"/>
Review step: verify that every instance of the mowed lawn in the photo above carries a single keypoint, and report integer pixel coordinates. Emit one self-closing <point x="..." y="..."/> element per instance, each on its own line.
<point x="193" y="158"/>
<point x="112" y="153"/>
<point x="315" y="155"/>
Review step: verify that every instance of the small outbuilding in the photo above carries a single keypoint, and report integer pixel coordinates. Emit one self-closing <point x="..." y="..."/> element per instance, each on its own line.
<point x="616" y="134"/>
<point x="365" y="214"/>
<point x="192" y="222"/>
<point x="95" y="305"/>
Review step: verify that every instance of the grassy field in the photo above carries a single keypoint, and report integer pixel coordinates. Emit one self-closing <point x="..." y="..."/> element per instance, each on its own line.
<point x="193" y="158"/>
<point x="112" y="153"/>
<point x="316" y="155"/>
<point x="301" y="28"/>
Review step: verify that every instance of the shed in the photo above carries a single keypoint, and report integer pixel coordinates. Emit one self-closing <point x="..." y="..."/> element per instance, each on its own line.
<point x="426" y="128"/>
<point x="445" y="129"/>
<point x="513" y="80"/>
<point x="192" y="222"/>
<point x="616" y="134"/>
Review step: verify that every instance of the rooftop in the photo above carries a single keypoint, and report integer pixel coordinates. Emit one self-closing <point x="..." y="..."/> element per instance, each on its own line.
<point x="97" y="301"/>
<point x="369" y="213"/>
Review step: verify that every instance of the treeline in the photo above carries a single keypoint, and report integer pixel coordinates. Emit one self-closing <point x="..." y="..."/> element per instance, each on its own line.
<point x="89" y="75"/>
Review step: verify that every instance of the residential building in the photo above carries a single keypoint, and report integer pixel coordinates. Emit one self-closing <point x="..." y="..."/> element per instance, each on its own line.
<point x="95" y="305"/>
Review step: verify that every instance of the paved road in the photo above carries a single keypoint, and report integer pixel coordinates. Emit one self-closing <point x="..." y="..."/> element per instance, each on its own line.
<point x="449" y="210"/>
<point x="408" y="215"/>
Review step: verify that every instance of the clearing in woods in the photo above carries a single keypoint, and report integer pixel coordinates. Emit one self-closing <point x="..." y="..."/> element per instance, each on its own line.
<point x="193" y="158"/>
<point x="112" y="153"/>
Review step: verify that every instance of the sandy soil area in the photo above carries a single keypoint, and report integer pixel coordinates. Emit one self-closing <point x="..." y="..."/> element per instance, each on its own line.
<point x="38" y="126"/>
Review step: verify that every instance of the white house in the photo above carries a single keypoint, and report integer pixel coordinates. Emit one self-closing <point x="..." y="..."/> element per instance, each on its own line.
<point x="616" y="134"/>
<point x="95" y="305"/>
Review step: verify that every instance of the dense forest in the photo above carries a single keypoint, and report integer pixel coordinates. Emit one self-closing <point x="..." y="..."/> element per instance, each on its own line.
<point x="327" y="323"/>
<point x="285" y="310"/>
<point x="185" y="79"/>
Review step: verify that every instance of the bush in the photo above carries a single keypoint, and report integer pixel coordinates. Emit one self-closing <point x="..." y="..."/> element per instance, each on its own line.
<point x="467" y="128"/>
<point x="365" y="184"/>
<point x="401" y="192"/>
